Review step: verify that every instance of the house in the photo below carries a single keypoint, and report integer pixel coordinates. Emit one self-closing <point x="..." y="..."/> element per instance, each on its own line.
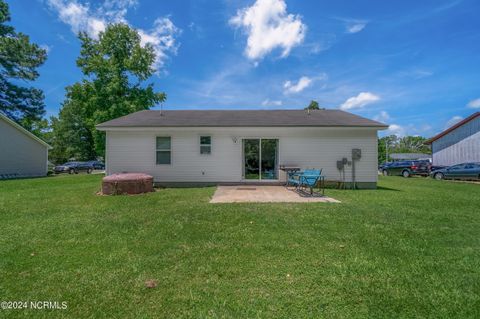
<point x="22" y="153"/>
<point x="242" y="146"/>
<point x="458" y="144"/>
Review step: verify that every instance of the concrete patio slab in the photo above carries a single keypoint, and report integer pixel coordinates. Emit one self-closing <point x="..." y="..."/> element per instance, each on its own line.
<point x="263" y="194"/>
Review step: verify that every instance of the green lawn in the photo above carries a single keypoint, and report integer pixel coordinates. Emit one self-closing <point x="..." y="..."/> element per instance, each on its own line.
<point x="409" y="249"/>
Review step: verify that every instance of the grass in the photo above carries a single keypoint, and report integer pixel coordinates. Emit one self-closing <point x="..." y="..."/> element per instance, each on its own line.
<point x="409" y="249"/>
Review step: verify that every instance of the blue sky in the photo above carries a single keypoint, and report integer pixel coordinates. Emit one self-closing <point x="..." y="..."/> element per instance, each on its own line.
<point x="412" y="64"/>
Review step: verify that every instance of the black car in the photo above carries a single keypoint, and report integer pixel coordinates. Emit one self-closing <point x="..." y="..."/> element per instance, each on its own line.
<point x="96" y="165"/>
<point x="73" y="168"/>
<point x="407" y="168"/>
<point x="384" y="165"/>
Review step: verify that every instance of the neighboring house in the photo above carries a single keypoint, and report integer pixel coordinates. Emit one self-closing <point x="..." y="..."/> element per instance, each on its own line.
<point x="458" y="144"/>
<point x="240" y="146"/>
<point x="22" y="153"/>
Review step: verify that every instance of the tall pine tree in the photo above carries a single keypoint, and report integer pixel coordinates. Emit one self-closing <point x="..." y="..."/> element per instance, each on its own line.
<point x="19" y="60"/>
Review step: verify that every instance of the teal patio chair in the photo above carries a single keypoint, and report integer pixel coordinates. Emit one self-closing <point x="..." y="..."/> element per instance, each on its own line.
<point x="309" y="179"/>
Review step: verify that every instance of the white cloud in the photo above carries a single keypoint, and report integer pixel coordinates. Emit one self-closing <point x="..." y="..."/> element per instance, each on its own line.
<point x="116" y="10"/>
<point x="269" y="102"/>
<point x="410" y="129"/>
<point x="451" y="122"/>
<point x="395" y="129"/>
<point x="77" y="16"/>
<point x="359" y="101"/>
<point x="382" y="117"/>
<point x="356" y="27"/>
<point x="301" y="85"/>
<point x="475" y="104"/>
<point x="269" y="26"/>
<point x="162" y="38"/>
<point x="416" y="73"/>
<point x="80" y="16"/>
<point x="420" y="74"/>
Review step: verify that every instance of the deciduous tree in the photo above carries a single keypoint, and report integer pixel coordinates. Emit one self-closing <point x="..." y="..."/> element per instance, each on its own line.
<point x="313" y="106"/>
<point x="115" y="68"/>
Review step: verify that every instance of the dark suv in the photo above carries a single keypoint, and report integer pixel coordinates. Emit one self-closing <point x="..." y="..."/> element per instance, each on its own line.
<point x="407" y="168"/>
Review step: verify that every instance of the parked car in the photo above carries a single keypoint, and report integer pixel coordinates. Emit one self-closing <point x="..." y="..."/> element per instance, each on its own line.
<point x="465" y="171"/>
<point x="96" y="165"/>
<point x="73" y="168"/>
<point x="407" y="168"/>
<point x="436" y="167"/>
<point x="384" y="165"/>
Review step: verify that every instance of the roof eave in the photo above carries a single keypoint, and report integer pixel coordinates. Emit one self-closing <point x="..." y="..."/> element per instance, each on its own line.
<point x="452" y="128"/>
<point x="109" y="127"/>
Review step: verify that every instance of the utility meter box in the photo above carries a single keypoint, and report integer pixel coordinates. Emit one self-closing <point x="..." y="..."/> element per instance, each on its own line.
<point x="356" y="154"/>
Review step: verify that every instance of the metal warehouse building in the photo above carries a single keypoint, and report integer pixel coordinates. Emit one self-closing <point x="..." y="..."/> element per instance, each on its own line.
<point x="458" y="144"/>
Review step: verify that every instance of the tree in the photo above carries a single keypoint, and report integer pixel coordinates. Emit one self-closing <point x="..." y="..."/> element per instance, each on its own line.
<point x="72" y="138"/>
<point x="385" y="145"/>
<point x="19" y="60"/>
<point x="407" y="144"/>
<point x="115" y="67"/>
<point x="39" y="127"/>
<point x="412" y="144"/>
<point x="313" y="106"/>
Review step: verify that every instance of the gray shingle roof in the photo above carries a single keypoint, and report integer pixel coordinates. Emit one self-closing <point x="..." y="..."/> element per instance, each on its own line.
<point x="241" y="118"/>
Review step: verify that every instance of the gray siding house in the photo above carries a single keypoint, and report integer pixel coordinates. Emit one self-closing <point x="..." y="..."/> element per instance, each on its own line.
<point x="22" y="153"/>
<point x="219" y="146"/>
<point x="458" y="144"/>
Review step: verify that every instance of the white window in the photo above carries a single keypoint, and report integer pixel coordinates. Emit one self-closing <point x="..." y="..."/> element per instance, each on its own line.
<point x="205" y="145"/>
<point x="164" y="150"/>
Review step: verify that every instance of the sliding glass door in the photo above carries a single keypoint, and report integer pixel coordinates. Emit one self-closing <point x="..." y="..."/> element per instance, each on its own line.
<point x="268" y="163"/>
<point x="260" y="157"/>
<point x="251" y="155"/>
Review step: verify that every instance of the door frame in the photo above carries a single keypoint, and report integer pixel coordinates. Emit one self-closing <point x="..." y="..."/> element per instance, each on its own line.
<point x="277" y="156"/>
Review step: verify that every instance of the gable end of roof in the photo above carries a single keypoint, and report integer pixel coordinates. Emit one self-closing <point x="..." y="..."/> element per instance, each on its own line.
<point x="24" y="131"/>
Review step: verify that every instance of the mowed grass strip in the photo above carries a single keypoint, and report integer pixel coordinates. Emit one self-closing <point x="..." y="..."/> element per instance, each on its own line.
<point x="409" y="249"/>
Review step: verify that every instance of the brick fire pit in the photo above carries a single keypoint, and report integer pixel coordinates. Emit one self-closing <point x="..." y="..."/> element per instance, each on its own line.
<point x="128" y="183"/>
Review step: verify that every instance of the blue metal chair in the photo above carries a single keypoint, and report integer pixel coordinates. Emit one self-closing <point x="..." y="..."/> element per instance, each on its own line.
<point x="309" y="178"/>
<point x="293" y="179"/>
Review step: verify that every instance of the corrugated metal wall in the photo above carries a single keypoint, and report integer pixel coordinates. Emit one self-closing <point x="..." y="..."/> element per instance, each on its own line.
<point x="459" y="146"/>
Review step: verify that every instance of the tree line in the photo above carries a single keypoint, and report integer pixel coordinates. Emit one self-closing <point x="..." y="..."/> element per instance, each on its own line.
<point x="115" y="68"/>
<point x="407" y="144"/>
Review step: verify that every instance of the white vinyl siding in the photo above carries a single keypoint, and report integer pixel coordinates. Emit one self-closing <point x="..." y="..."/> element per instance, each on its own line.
<point x="21" y="155"/>
<point x="132" y="150"/>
